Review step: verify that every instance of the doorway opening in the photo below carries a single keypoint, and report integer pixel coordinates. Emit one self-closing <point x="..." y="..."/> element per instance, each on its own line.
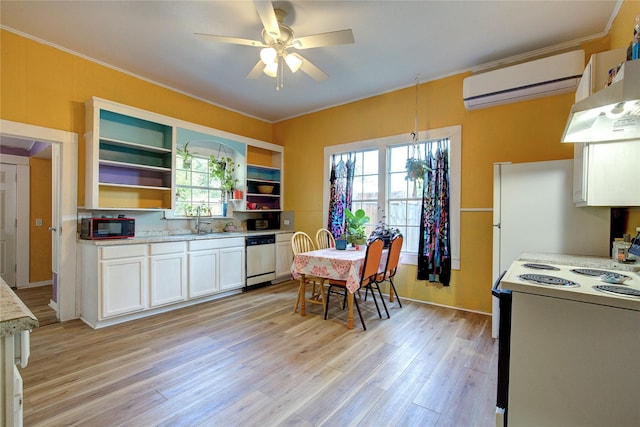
<point x="64" y="167"/>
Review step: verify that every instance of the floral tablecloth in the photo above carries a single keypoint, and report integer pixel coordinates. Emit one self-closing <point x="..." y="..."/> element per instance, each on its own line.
<point x="333" y="264"/>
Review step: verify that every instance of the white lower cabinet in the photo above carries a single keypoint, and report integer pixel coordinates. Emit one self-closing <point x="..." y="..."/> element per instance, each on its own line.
<point x="123" y="280"/>
<point x="215" y="265"/>
<point x="284" y="255"/>
<point x="232" y="269"/>
<point x="203" y="273"/>
<point x="168" y="268"/>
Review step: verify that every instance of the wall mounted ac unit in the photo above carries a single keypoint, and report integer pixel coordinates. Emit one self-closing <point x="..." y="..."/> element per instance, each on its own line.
<point x="543" y="77"/>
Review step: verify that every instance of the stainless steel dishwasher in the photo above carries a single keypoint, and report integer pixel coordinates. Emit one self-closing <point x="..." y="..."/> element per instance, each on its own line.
<point x="260" y="260"/>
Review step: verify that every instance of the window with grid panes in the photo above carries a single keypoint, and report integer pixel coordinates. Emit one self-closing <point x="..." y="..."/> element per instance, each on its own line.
<point x="380" y="188"/>
<point x="195" y="189"/>
<point x="365" y="186"/>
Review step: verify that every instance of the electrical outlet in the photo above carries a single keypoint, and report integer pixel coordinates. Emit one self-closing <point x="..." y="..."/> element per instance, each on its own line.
<point x="38" y="222"/>
<point x="286" y="222"/>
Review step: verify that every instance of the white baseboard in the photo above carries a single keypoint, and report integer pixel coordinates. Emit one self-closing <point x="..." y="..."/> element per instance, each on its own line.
<point x="36" y="284"/>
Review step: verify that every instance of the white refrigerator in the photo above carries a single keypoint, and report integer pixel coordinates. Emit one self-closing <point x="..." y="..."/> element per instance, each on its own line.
<point x="533" y="211"/>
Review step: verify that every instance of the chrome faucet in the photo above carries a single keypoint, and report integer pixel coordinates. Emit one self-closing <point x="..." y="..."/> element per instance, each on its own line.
<point x="200" y="222"/>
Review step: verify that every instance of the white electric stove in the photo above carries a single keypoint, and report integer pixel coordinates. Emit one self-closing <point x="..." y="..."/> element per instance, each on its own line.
<point x="597" y="281"/>
<point x="574" y="342"/>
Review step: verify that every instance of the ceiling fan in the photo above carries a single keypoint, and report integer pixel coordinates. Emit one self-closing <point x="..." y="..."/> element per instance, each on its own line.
<point x="277" y="40"/>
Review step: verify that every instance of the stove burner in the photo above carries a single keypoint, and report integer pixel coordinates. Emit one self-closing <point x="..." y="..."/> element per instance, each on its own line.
<point x="618" y="290"/>
<point x="597" y="273"/>
<point x="540" y="266"/>
<point x="543" y="279"/>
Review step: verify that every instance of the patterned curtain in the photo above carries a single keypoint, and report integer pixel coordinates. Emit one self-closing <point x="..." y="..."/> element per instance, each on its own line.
<point x="340" y="191"/>
<point x="434" y="251"/>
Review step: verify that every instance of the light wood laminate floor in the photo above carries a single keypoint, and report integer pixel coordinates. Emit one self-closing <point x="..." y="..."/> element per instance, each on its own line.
<point x="248" y="360"/>
<point x="37" y="300"/>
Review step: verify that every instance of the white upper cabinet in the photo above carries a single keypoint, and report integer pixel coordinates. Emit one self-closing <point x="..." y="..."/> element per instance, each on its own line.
<point x="605" y="174"/>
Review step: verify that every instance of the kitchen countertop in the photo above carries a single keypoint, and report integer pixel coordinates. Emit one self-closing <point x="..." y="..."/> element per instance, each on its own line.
<point x="15" y="317"/>
<point x="182" y="237"/>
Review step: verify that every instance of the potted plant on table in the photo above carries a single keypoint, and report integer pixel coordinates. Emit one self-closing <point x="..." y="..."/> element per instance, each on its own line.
<point x="355" y="225"/>
<point x="384" y="232"/>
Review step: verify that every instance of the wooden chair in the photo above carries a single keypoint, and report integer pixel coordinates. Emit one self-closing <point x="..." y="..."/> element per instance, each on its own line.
<point x="324" y="239"/>
<point x="301" y="242"/>
<point x="393" y="259"/>
<point x="368" y="277"/>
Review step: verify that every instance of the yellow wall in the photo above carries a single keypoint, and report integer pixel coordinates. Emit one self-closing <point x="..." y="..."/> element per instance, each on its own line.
<point x="520" y="132"/>
<point x="43" y="86"/>
<point x="40" y="207"/>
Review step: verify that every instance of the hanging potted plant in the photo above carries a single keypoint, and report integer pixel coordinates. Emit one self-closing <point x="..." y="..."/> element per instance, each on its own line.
<point x="185" y="155"/>
<point x="223" y="169"/>
<point x="416" y="169"/>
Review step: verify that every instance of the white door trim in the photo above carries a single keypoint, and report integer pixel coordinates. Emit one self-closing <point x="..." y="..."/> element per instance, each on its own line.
<point x="68" y="179"/>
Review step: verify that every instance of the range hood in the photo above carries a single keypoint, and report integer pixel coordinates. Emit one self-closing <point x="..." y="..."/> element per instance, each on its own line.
<point x="612" y="114"/>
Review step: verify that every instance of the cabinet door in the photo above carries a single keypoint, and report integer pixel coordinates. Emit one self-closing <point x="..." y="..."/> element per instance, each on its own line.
<point x="168" y="278"/>
<point x="232" y="272"/>
<point x="613" y="174"/>
<point x="580" y="166"/>
<point x="124" y="285"/>
<point x="284" y="257"/>
<point x="203" y="273"/>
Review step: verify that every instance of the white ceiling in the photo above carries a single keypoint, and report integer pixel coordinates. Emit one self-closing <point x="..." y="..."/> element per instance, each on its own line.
<point x="395" y="41"/>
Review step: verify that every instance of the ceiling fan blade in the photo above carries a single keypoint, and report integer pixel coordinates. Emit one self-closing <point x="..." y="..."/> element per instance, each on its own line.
<point x="324" y="39"/>
<point x="268" y="18"/>
<point x="232" y="40"/>
<point x="314" y="72"/>
<point x="256" y="71"/>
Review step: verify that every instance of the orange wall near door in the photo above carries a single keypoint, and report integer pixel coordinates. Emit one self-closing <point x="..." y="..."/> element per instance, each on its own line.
<point x="40" y="206"/>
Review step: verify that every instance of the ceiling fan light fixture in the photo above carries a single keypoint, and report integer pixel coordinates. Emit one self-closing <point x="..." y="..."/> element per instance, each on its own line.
<point x="294" y="62"/>
<point x="268" y="55"/>
<point x="271" y="69"/>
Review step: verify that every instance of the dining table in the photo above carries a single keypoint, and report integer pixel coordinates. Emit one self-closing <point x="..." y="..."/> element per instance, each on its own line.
<point x="333" y="264"/>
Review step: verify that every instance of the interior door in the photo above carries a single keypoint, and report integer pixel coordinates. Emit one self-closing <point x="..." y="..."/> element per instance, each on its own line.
<point x="55" y="227"/>
<point x="8" y="226"/>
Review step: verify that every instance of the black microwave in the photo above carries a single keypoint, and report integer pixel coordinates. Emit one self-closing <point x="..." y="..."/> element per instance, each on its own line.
<point x="107" y="228"/>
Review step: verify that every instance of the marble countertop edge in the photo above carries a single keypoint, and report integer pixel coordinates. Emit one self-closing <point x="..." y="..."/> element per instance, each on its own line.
<point x="15" y="317"/>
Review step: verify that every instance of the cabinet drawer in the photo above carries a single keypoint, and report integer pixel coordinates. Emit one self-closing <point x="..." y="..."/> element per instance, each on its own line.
<point x="199" y="245"/>
<point x="284" y="237"/>
<point x="123" y="251"/>
<point x="166" y="248"/>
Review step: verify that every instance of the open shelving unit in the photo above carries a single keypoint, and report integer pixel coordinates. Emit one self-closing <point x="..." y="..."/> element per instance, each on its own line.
<point x="129" y="158"/>
<point x="263" y="175"/>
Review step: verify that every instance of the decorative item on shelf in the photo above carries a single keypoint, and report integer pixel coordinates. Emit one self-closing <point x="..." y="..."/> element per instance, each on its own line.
<point x="383" y="231"/>
<point x="355" y="224"/>
<point x="185" y="155"/>
<point x="237" y="194"/>
<point x="265" y="189"/>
